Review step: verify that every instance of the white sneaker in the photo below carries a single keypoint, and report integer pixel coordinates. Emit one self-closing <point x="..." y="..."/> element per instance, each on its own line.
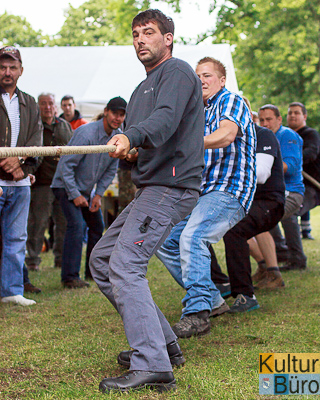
<point x="18" y="299"/>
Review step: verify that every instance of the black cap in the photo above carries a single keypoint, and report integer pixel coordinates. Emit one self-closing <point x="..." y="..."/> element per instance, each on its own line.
<point x="117" y="103"/>
<point x="10" y="51"/>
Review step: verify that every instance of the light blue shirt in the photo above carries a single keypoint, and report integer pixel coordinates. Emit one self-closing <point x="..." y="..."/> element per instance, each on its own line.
<point x="78" y="173"/>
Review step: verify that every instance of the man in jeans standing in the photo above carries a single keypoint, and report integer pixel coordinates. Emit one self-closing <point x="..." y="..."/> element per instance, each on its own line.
<point x="20" y="125"/>
<point x="227" y="190"/>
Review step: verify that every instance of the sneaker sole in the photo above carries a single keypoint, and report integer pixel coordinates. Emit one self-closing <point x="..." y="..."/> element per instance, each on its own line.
<point x="219" y="311"/>
<point x="249" y="309"/>
<point x="159" y="387"/>
<point x="205" y="332"/>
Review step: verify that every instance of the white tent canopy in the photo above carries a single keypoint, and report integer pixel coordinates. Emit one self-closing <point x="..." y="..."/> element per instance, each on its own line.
<point x="94" y="75"/>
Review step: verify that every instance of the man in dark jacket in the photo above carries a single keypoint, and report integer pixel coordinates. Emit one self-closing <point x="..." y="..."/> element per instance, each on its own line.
<point x="20" y="125"/>
<point x="56" y="132"/>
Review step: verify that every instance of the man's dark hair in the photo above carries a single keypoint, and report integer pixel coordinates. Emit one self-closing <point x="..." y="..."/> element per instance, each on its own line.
<point x="67" y="97"/>
<point x="218" y="66"/>
<point x="164" y="23"/>
<point x="297" y="104"/>
<point x="271" y="107"/>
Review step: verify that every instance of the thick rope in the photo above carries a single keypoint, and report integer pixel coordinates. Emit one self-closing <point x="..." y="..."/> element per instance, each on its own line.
<point x="64" y="150"/>
<point x="56" y="150"/>
<point x="53" y="150"/>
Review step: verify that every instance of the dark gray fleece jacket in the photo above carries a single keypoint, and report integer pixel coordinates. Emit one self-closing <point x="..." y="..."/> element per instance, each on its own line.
<point x="165" y="119"/>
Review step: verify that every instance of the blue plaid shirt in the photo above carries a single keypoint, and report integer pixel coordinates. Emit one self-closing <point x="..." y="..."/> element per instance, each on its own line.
<point x="231" y="169"/>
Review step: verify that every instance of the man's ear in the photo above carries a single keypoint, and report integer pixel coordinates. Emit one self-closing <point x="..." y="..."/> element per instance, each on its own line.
<point x="168" y="37"/>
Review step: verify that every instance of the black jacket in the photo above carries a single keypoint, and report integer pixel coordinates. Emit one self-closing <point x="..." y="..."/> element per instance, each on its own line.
<point x="311" y="153"/>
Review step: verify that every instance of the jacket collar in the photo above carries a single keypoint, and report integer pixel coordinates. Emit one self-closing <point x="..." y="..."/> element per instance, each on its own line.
<point x="17" y="92"/>
<point x="77" y="116"/>
<point x="55" y="121"/>
<point x="2" y="91"/>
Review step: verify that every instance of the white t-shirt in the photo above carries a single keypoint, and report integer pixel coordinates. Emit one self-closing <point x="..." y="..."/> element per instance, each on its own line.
<point x="12" y="106"/>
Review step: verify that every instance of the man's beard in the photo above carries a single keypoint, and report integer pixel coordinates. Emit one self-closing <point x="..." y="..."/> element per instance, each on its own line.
<point x="146" y="59"/>
<point x="7" y="84"/>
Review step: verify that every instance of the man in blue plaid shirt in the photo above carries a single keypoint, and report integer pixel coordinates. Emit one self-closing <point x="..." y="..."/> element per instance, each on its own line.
<point x="228" y="186"/>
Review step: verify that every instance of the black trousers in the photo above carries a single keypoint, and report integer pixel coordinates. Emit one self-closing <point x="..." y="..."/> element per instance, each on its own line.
<point x="263" y="216"/>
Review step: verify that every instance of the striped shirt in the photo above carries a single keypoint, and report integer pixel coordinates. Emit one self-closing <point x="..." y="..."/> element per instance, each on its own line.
<point x="231" y="169"/>
<point x="12" y="106"/>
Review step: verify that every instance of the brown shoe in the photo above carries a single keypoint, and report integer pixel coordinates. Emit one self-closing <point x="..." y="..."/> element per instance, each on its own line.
<point x="273" y="280"/>
<point x="260" y="273"/>
<point x="75" y="284"/>
<point x="29" y="288"/>
<point x="223" y="308"/>
<point x="33" y="267"/>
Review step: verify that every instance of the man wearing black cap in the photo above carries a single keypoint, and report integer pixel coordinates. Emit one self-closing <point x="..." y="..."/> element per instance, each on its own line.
<point x="20" y="125"/>
<point x="73" y="182"/>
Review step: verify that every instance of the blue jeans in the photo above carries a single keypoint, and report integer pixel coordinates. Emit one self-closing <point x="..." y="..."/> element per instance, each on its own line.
<point x="185" y="252"/>
<point x="14" y="209"/>
<point x="72" y="246"/>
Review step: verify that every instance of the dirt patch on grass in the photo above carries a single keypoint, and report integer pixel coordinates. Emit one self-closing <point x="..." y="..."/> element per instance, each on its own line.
<point x="14" y="374"/>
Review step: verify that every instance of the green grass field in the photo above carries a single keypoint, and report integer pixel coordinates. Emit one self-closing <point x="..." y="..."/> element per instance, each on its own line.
<point x="62" y="347"/>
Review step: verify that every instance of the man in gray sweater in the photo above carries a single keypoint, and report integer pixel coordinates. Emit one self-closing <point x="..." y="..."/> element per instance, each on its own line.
<point x="165" y="122"/>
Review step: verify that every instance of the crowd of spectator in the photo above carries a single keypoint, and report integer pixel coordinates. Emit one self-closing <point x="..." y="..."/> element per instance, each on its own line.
<point x="63" y="191"/>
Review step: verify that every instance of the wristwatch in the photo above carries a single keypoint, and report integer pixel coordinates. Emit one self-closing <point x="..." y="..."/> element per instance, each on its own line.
<point x="21" y="160"/>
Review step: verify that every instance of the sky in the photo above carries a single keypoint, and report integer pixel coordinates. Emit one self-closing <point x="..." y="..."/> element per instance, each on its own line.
<point x="48" y="15"/>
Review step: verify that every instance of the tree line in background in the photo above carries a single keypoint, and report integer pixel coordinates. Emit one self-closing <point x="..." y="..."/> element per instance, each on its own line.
<point x="277" y="46"/>
<point x="276" y="43"/>
<point x="94" y="23"/>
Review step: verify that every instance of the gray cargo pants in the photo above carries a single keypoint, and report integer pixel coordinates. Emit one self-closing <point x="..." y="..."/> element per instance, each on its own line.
<point x="119" y="263"/>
